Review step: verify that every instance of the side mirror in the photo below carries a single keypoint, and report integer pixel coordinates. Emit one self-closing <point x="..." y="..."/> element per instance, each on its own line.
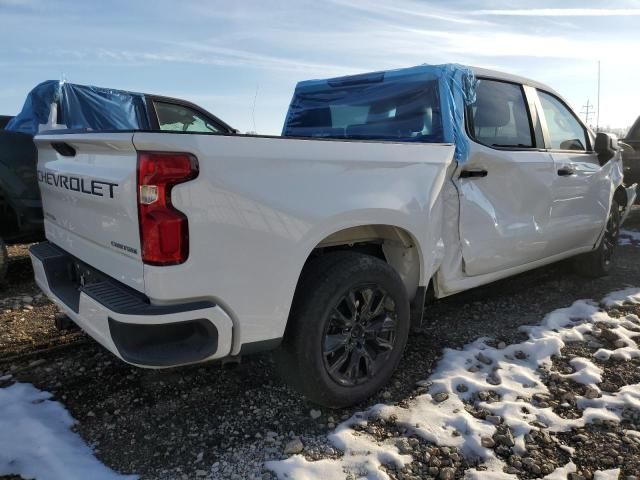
<point x="606" y="146"/>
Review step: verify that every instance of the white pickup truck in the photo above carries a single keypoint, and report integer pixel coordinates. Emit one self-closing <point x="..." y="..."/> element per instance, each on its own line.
<point x="176" y="247"/>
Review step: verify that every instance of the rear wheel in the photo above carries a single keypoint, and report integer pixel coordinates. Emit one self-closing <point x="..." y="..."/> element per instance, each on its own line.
<point x="4" y="260"/>
<point x="598" y="263"/>
<point x="347" y="330"/>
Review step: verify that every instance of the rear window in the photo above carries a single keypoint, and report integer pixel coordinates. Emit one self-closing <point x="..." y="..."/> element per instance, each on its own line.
<point x="179" y="118"/>
<point x="374" y="109"/>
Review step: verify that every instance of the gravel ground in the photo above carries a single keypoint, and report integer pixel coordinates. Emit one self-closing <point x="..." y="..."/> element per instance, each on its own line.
<point x="223" y="421"/>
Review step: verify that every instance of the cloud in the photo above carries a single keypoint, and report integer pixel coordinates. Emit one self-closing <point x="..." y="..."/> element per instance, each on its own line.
<point x="241" y="57"/>
<point x="411" y="10"/>
<point x="563" y="12"/>
<point x="506" y="44"/>
<point x="19" y="3"/>
<point x="178" y="53"/>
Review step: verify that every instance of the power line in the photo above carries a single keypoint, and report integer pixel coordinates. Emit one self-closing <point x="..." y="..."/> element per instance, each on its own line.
<point x="253" y="108"/>
<point x="588" y="110"/>
<point x="598" y="107"/>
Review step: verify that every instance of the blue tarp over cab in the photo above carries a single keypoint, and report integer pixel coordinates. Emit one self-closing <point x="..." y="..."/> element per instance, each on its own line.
<point x="418" y="104"/>
<point x="81" y="107"/>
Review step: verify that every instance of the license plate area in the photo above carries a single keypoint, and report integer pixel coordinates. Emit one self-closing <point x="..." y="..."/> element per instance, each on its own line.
<point x="82" y="275"/>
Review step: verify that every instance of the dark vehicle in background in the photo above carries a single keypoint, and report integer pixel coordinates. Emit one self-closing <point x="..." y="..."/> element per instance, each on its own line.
<point x="631" y="154"/>
<point x="4" y="119"/>
<point x="21" y="218"/>
<point x="20" y="207"/>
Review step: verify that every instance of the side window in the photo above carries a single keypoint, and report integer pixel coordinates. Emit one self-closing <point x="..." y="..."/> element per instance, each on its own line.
<point x="565" y="131"/>
<point x="392" y="109"/>
<point x="499" y="117"/>
<point x="179" y="118"/>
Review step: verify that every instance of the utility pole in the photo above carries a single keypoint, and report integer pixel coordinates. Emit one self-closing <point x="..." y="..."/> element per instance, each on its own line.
<point x="587" y="111"/>
<point x="598" y="107"/>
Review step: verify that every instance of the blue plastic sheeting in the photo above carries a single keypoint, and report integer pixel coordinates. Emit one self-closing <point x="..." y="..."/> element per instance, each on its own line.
<point x="418" y="104"/>
<point x="81" y="107"/>
<point x="35" y="110"/>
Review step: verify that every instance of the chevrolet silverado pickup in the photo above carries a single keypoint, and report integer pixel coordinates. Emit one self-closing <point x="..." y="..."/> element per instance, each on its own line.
<point x="172" y="248"/>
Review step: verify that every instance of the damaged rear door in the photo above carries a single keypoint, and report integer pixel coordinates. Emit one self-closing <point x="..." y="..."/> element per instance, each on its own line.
<point x="505" y="186"/>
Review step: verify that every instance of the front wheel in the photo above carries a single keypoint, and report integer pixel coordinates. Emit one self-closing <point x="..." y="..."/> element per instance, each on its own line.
<point x="598" y="263"/>
<point x="347" y="330"/>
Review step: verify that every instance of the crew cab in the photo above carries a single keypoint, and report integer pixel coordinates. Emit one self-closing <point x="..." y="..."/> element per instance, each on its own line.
<point x="172" y="248"/>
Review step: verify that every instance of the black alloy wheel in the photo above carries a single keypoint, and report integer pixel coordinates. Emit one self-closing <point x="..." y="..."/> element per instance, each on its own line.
<point x="347" y="329"/>
<point x="360" y="335"/>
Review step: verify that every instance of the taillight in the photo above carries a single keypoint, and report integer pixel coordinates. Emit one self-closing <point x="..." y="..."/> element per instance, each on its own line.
<point x="164" y="230"/>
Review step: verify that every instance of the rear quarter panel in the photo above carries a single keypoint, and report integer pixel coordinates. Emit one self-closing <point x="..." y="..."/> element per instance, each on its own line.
<point x="260" y="205"/>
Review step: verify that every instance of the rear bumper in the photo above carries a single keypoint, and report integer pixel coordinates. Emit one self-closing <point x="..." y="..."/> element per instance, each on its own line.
<point x="124" y="321"/>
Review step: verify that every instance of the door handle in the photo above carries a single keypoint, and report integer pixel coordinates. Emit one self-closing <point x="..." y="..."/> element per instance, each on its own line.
<point x="64" y="149"/>
<point x="473" y="174"/>
<point x="566" y="172"/>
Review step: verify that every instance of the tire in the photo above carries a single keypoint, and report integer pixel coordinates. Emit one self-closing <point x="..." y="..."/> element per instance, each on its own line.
<point x="598" y="263"/>
<point x="347" y="329"/>
<point x="4" y="261"/>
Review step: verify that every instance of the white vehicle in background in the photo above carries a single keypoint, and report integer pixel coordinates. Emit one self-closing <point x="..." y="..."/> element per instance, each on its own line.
<point x="181" y="246"/>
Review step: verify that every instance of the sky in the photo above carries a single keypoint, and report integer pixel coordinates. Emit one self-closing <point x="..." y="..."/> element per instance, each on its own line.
<point x="241" y="60"/>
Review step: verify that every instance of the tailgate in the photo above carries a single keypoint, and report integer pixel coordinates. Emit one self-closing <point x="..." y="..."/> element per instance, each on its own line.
<point x="89" y="197"/>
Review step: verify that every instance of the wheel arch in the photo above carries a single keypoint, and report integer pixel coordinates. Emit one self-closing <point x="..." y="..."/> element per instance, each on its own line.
<point x="620" y="196"/>
<point x="394" y="244"/>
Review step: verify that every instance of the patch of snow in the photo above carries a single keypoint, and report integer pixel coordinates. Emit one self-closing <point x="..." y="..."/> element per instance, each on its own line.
<point x="627" y="348"/>
<point x="627" y="396"/>
<point x="476" y="475"/>
<point x="617" y="299"/>
<point x="585" y="371"/>
<point x="561" y="473"/>
<point x="514" y="373"/>
<point x="36" y="440"/>
<point x="607" y="475"/>
<point x="568" y="449"/>
<point x="629" y="237"/>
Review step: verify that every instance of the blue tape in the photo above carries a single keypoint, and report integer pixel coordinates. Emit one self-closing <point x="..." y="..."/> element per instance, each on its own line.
<point x="418" y="104"/>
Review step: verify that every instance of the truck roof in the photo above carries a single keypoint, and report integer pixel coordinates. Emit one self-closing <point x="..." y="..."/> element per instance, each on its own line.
<point x="426" y="68"/>
<point x="510" y="77"/>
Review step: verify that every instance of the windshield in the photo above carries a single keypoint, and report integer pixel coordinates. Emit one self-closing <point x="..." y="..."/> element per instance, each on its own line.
<point x="367" y="107"/>
<point x="634" y="132"/>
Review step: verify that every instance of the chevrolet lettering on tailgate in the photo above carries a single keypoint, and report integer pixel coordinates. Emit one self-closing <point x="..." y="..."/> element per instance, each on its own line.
<point x="98" y="188"/>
